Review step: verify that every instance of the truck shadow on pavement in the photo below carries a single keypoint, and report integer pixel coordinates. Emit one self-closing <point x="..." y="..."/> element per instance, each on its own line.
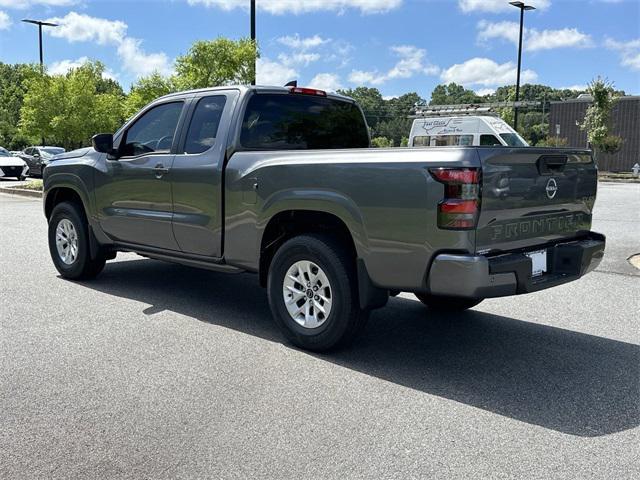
<point x="562" y="380"/>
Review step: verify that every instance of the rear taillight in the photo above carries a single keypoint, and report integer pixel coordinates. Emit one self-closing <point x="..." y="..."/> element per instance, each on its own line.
<point x="460" y="206"/>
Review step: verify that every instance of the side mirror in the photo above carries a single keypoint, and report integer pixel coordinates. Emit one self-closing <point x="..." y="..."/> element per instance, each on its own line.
<point x="103" y="143"/>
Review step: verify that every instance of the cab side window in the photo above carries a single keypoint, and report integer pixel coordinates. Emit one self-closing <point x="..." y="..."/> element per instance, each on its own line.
<point x="153" y="132"/>
<point x="489" y="141"/>
<point x="453" y="140"/>
<point x="422" y="141"/>
<point x="204" y="124"/>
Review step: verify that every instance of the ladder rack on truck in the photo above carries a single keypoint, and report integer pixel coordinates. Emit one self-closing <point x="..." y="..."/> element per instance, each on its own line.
<point x="423" y="110"/>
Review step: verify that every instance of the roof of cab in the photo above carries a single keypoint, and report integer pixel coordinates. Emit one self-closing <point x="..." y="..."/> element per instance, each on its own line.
<point x="248" y="88"/>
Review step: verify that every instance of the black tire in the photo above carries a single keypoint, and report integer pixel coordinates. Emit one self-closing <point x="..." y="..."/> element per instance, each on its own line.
<point x="22" y="178"/>
<point x="447" y="304"/>
<point x="345" y="319"/>
<point x="83" y="267"/>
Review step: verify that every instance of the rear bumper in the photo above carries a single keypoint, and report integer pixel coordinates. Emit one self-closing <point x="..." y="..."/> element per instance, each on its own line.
<point x="510" y="274"/>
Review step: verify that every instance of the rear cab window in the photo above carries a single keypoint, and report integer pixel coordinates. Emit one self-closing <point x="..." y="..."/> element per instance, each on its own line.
<point x="301" y="122"/>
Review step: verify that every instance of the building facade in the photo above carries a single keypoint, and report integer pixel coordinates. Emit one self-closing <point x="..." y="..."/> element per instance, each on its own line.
<point x="565" y="119"/>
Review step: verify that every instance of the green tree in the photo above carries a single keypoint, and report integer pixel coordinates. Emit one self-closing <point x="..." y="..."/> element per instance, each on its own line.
<point x="13" y="86"/>
<point x="145" y="90"/>
<point x="597" y="120"/>
<point x="371" y="102"/>
<point x="454" y="94"/>
<point x="216" y="62"/>
<point x="68" y="109"/>
<point x="386" y="118"/>
<point x="108" y="85"/>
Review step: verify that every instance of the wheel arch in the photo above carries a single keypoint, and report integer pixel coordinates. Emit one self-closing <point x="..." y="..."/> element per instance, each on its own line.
<point x="289" y="223"/>
<point x="63" y="193"/>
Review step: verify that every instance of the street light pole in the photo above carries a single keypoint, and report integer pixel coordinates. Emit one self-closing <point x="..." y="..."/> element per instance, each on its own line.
<point x="40" y="24"/>
<point x="522" y="8"/>
<point x="253" y="38"/>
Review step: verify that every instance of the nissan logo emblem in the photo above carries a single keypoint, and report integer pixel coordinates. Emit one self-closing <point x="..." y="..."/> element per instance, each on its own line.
<point x="551" y="188"/>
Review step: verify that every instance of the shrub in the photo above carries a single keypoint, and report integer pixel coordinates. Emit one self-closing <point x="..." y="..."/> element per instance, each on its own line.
<point x="610" y="144"/>
<point x="381" y="142"/>
<point x="553" y="142"/>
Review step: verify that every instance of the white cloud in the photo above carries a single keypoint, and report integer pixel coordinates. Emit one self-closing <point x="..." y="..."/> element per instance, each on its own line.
<point x="5" y="21"/>
<point x="485" y="72"/>
<point x="299" y="58"/>
<point x="412" y="61"/>
<point x="306" y="50"/>
<point x="507" y="30"/>
<point x="496" y="6"/>
<point x="137" y="61"/>
<point x="279" y="7"/>
<point x="76" y="27"/>
<point x="576" y="88"/>
<point x="629" y="52"/>
<point x="64" y="66"/>
<point x="298" y="43"/>
<point x="485" y="91"/>
<point x="326" y="81"/>
<point x="363" y="78"/>
<point x="23" y="4"/>
<point x="269" y="72"/>
<point x="533" y="39"/>
<point x="549" y="39"/>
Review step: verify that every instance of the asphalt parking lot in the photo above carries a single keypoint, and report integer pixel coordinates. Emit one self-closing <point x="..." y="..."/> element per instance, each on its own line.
<point x="161" y="371"/>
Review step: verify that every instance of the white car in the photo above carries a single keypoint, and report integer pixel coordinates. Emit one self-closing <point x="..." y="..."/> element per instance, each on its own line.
<point x="11" y="166"/>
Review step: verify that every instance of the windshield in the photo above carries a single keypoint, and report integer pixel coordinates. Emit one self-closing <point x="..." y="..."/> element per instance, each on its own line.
<point x="513" y="140"/>
<point x="51" y="151"/>
<point x="4" y="153"/>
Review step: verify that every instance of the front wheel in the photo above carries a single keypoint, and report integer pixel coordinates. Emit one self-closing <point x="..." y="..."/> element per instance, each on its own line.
<point x="447" y="304"/>
<point x="69" y="243"/>
<point x="313" y="293"/>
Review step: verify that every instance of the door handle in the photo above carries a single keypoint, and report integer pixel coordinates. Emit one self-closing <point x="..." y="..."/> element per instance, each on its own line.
<point x="159" y="170"/>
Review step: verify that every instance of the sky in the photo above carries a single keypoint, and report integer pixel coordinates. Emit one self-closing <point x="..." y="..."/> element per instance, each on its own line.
<point x="397" y="46"/>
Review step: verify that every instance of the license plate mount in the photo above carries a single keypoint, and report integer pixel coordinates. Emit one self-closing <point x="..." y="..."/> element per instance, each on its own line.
<point x="538" y="262"/>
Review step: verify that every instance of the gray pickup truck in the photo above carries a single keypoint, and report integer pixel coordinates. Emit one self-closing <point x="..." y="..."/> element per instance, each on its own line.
<point x="282" y="182"/>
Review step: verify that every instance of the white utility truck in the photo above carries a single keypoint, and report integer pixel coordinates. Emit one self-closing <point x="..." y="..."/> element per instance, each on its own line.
<point x="444" y="126"/>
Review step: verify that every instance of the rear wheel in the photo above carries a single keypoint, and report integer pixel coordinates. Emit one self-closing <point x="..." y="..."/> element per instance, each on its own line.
<point x="69" y="243"/>
<point x="313" y="293"/>
<point x="447" y="304"/>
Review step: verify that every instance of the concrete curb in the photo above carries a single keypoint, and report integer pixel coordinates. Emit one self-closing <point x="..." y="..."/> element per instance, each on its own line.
<point x="619" y="180"/>
<point x="22" y="192"/>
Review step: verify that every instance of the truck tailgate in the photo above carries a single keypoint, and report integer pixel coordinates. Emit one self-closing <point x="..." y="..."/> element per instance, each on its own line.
<point x="531" y="197"/>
